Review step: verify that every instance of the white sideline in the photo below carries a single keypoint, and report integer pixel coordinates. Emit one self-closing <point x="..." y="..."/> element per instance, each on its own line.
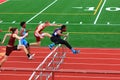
<point x="41" y="11"/>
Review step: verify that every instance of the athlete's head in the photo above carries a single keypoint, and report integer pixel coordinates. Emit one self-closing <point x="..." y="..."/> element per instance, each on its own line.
<point x="47" y="23"/>
<point x="23" y="24"/>
<point x="63" y="28"/>
<point x="14" y="30"/>
<point x="0" y="30"/>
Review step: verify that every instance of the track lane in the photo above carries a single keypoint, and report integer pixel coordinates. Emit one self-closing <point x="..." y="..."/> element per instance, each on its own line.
<point x="89" y="58"/>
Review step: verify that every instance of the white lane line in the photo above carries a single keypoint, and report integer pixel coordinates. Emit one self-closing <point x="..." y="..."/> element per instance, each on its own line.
<point x="67" y="63"/>
<point x="88" y="77"/>
<point x="41" y="11"/>
<point x="91" y="64"/>
<point x="99" y="12"/>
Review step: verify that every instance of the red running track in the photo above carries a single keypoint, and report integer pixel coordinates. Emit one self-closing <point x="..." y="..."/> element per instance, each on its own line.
<point x="18" y="59"/>
<point x="90" y="59"/>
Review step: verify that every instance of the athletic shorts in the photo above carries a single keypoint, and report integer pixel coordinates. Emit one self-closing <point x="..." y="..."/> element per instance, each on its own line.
<point x="23" y="42"/>
<point x="38" y="38"/>
<point x="57" y="40"/>
<point x="10" y="49"/>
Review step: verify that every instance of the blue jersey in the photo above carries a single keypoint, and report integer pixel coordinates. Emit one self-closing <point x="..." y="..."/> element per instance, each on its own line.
<point x="24" y="32"/>
<point x="23" y="41"/>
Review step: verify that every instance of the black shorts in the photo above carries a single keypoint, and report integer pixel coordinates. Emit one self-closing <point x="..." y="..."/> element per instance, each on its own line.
<point x="10" y="49"/>
<point x="57" y="40"/>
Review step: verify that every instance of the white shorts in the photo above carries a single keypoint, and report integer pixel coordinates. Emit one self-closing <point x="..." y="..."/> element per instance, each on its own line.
<point x="42" y="34"/>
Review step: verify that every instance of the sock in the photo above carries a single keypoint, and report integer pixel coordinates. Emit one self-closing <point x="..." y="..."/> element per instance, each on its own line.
<point x="28" y="55"/>
<point x="53" y="44"/>
<point x="73" y="50"/>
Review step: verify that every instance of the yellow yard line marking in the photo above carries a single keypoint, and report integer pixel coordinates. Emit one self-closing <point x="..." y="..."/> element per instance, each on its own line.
<point x="98" y="6"/>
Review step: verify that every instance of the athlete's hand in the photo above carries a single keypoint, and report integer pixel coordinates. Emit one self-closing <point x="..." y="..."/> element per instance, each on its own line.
<point x="1" y="42"/>
<point x="27" y="31"/>
<point x="0" y="30"/>
<point x="26" y="34"/>
<point x="41" y="37"/>
<point x="65" y="35"/>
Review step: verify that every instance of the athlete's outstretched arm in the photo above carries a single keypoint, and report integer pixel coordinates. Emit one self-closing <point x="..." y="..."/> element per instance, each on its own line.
<point x="55" y="24"/>
<point x="6" y="35"/>
<point x="17" y="37"/>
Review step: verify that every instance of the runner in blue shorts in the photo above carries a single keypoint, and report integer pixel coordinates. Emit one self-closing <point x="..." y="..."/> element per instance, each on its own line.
<point x="23" y="31"/>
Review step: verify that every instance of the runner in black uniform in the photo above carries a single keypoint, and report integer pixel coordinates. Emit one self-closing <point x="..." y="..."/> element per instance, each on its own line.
<point x="56" y="38"/>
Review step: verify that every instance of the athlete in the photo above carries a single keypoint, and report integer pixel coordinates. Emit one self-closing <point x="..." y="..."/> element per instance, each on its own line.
<point x="39" y="34"/>
<point x="11" y="47"/>
<point x="56" y="39"/>
<point x="23" y="31"/>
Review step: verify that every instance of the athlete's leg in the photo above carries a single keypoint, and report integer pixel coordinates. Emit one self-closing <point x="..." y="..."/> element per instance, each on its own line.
<point x="61" y="41"/>
<point x="46" y="34"/>
<point x="26" y="51"/>
<point x="54" y="40"/>
<point x="37" y="43"/>
<point x="3" y="60"/>
<point x="8" y="52"/>
<point x="26" y="44"/>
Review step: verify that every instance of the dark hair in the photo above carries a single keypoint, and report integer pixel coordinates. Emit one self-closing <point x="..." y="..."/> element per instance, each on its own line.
<point x="63" y="26"/>
<point x="22" y="23"/>
<point x="13" y="30"/>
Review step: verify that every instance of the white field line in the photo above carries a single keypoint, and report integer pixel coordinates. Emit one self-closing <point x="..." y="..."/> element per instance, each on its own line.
<point x="88" y="58"/>
<point x="65" y="76"/>
<point x="92" y="64"/>
<point x="67" y="63"/>
<point x="17" y="75"/>
<point x="80" y="72"/>
<point x="23" y="62"/>
<point x="74" y="24"/>
<point x="26" y="56"/>
<point x="92" y="58"/>
<point x="99" y="12"/>
<point x="41" y="11"/>
<point x="95" y="77"/>
<point x="100" y="53"/>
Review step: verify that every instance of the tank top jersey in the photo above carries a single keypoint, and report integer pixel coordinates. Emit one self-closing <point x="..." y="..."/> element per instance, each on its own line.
<point x="24" y="32"/>
<point x="11" y="40"/>
<point x="55" y="33"/>
<point x="40" y="31"/>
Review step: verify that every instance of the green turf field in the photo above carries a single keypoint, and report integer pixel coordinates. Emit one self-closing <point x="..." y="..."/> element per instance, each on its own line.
<point x="91" y="23"/>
